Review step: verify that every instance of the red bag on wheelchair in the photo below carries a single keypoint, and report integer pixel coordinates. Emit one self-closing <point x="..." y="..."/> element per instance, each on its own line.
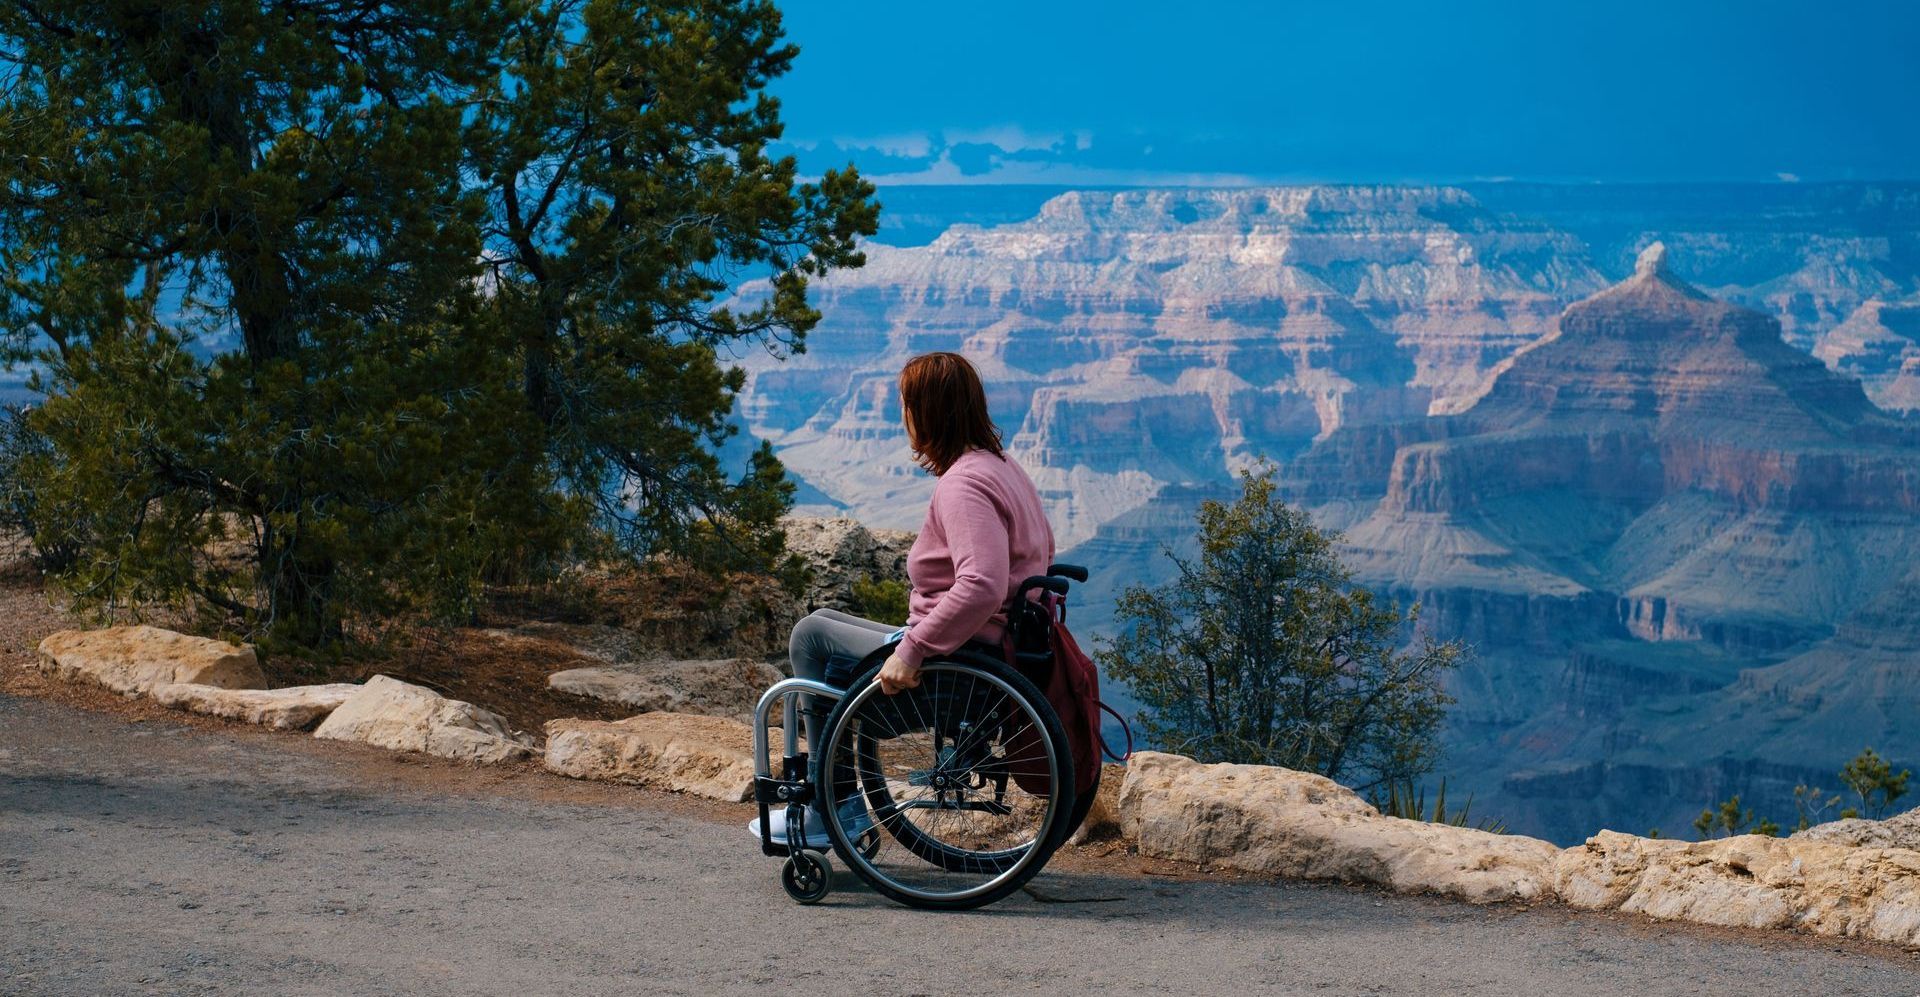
<point x="1039" y="646"/>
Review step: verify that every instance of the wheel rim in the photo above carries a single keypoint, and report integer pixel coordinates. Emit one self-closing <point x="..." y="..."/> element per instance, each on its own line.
<point x="940" y="769"/>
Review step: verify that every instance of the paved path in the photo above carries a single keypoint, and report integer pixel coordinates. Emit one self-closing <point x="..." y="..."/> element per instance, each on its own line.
<point x="157" y="858"/>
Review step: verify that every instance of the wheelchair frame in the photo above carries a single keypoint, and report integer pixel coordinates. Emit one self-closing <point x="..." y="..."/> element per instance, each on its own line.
<point x="807" y="873"/>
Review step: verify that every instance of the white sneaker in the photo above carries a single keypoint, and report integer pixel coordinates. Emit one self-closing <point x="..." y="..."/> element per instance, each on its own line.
<point x="853" y="817"/>
<point x="815" y="828"/>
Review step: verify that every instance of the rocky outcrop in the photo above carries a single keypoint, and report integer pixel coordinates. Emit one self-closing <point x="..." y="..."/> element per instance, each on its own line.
<point x="1645" y="478"/>
<point x="728" y="687"/>
<point x="1902" y="831"/>
<point x="297" y="707"/>
<point x="1879" y="344"/>
<point x="839" y="552"/>
<point x="1847" y="879"/>
<point x="1750" y="881"/>
<point x="1165" y="335"/>
<point x="137" y="659"/>
<point x="1278" y="822"/>
<point x="699" y="755"/>
<point x="1667" y="489"/>
<point x="400" y="716"/>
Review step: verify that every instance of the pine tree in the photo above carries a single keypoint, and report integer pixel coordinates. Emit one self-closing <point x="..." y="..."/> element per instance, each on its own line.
<point x="340" y="306"/>
<point x="623" y="156"/>
<point x="1874" y="783"/>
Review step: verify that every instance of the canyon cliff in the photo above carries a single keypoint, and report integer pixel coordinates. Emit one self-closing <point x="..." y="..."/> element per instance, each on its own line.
<point x="1679" y="543"/>
<point x="1676" y="537"/>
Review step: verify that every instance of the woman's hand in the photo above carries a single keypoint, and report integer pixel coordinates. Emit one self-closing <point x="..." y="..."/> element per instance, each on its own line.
<point x="896" y="675"/>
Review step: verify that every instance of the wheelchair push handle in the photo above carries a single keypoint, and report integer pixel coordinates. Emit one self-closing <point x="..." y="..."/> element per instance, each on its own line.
<point x="1055" y="580"/>
<point x="1048" y="582"/>
<point x="1073" y="571"/>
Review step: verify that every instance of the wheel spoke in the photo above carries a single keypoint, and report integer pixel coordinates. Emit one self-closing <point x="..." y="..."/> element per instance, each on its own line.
<point x="917" y="782"/>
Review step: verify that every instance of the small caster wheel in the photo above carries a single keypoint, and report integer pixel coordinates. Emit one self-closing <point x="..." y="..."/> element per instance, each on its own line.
<point x="868" y="844"/>
<point x="807" y="876"/>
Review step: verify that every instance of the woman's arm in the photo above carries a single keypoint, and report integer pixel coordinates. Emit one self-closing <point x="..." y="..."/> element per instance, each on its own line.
<point x="976" y="534"/>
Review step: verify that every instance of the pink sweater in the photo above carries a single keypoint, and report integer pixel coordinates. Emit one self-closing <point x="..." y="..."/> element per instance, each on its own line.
<point x="985" y="533"/>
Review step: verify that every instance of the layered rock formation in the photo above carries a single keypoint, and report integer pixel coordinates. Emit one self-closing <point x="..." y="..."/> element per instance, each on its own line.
<point x="1139" y="337"/>
<point x="1682" y="549"/>
<point x="1655" y="500"/>
<point x="1879" y="344"/>
<point x="1662" y="538"/>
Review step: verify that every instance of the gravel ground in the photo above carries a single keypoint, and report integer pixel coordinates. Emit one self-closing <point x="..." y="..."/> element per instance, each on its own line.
<point x="142" y="855"/>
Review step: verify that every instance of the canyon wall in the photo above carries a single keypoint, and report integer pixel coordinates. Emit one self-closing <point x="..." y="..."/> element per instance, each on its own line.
<point x="1659" y="492"/>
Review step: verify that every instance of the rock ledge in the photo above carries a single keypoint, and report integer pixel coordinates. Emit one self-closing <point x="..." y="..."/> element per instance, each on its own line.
<point x="703" y="756"/>
<point x="137" y="659"/>
<point x="389" y="713"/>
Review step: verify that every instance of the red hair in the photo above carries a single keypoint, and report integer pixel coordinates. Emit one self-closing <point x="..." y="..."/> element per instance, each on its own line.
<point x="946" y="409"/>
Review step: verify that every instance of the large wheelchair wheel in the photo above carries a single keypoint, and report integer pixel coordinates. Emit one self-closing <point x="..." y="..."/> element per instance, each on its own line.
<point x="969" y="777"/>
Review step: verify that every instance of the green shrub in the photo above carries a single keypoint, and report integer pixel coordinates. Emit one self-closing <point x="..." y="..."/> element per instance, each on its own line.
<point x="1730" y="819"/>
<point x="1404" y="800"/>
<point x="1264" y="651"/>
<point x="1873" y="781"/>
<point x="881" y="599"/>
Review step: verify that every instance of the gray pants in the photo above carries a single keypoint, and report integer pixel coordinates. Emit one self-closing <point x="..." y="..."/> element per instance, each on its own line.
<point x="826" y="634"/>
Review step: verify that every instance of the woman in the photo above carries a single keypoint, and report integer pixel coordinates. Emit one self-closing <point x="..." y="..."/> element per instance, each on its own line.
<point x="985" y="530"/>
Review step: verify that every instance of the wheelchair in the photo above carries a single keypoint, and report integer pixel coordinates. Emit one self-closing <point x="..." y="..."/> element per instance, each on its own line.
<point x="948" y="796"/>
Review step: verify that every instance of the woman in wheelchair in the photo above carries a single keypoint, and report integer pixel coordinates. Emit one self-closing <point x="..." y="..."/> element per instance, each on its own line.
<point x="933" y="764"/>
<point x="985" y="530"/>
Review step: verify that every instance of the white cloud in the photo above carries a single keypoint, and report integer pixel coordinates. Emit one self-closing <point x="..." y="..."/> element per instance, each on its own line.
<point x="1788" y="177"/>
<point x="912" y="145"/>
<point x="943" y="171"/>
<point x="1010" y="138"/>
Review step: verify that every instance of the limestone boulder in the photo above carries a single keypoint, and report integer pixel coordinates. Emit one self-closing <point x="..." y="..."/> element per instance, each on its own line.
<point x="1750" y="881"/>
<point x="1276" y="821"/>
<point x="728" y="687"/>
<point x="137" y="659"/>
<point x="297" y="707"/>
<point x="684" y="753"/>
<point x="840" y="551"/>
<point x="1902" y="831"/>
<point x="401" y="716"/>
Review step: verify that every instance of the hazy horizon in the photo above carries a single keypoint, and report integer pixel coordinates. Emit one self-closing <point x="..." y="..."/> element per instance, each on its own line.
<point x="1239" y="93"/>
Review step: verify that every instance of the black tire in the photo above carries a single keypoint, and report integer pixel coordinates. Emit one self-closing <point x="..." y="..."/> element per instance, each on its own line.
<point x="807" y="876"/>
<point x="1014" y="867"/>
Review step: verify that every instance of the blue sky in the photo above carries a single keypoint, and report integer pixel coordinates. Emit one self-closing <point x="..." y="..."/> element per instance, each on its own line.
<point x="1210" y="91"/>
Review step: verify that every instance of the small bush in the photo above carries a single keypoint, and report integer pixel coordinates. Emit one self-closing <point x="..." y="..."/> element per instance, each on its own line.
<point x="1403" y="800"/>
<point x="1811" y="803"/>
<point x="1731" y="820"/>
<point x="1873" y="781"/>
<point x="880" y="599"/>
